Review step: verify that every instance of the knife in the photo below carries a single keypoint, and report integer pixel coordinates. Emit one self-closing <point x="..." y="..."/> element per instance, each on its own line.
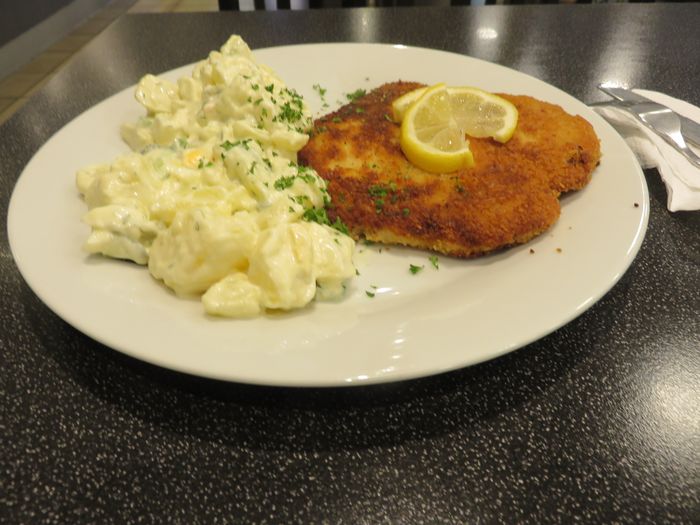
<point x="689" y="128"/>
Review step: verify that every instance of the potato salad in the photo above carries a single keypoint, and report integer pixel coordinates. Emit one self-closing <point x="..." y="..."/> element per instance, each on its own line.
<point x="211" y="197"/>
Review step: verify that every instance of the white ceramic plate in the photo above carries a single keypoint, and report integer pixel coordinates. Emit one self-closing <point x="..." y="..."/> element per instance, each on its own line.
<point x="416" y="325"/>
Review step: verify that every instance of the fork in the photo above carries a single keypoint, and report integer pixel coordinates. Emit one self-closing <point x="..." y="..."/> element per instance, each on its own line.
<point x="665" y="123"/>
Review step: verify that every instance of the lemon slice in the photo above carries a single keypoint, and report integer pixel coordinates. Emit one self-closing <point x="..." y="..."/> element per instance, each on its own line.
<point x="401" y="104"/>
<point x="435" y="120"/>
<point x="482" y="114"/>
<point x="431" y="138"/>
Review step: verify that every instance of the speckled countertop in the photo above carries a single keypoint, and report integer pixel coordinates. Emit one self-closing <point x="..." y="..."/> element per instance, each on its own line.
<point x="596" y="423"/>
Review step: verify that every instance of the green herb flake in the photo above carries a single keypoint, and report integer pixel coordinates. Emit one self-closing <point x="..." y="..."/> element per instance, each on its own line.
<point x="358" y="93"/>
<point x="370" y="294"/>
<point x="337" y="119"/>
<point x="289" y="114"/>
<point x="414" y="269"/>
<point x="377" y="190"/>
<point x="434" y="261"/>
<point x="228" y="144"/>
<point x="318" y="215"/>
<point x="284" y="182"/>
<point x="339" y="225"/>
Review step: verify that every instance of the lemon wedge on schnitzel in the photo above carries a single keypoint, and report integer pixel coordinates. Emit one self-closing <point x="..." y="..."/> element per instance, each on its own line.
<point x="436" y="121"/>
<point x="401" y="104"/>
<point x="431" y="138"/>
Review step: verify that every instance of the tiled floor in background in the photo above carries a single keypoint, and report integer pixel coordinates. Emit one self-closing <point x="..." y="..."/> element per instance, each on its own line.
<point x="18" y="87"/>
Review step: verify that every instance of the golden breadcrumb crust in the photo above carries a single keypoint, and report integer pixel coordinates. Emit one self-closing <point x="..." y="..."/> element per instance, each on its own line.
<point x="508" y="197"/>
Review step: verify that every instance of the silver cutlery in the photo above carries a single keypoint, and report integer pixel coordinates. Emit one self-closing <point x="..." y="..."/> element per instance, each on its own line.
<point x="665" y="123"/>
<point x="626" y="97"/>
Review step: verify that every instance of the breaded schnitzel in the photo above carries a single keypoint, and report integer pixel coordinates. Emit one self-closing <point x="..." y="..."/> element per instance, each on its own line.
<point x="508" y="197"/>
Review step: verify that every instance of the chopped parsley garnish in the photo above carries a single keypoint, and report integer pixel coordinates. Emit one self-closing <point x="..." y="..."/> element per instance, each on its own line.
<point x="270" y="88"/>
<point x="228" y="144"/>
<point x="358" y="93"/>
<point x="379" y="193"/>
<point x="307" y="178"/>
<point x="318" y="89"/>
<point x="414" y="269"/>
<point x="339" y="225"/>
<point x="181" y="142"/>
<point x="434" y="261"/>
<point x="337" y="119"/>
<point x="284" y="182"/>
<point x="290" y="114"/>
<point x="320" y="216"/>
<point x="377" y="190"/>
<point x="370" y="294"/>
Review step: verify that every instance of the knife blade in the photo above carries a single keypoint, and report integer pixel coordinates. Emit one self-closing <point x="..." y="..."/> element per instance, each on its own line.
<point x="689" y="128"/>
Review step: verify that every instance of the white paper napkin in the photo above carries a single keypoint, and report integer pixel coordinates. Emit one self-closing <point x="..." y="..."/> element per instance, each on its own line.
<point x="681" y="178"/>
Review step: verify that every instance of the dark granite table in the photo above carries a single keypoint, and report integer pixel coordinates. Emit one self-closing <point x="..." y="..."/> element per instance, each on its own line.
<point x="598" y="422"/>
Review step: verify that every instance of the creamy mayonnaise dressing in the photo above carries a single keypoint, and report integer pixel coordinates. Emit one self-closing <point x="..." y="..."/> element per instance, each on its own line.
<point x="211" y="197"/>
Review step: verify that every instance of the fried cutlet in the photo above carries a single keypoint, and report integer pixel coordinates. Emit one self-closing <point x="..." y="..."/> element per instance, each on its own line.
<point x="510" y="196"/>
